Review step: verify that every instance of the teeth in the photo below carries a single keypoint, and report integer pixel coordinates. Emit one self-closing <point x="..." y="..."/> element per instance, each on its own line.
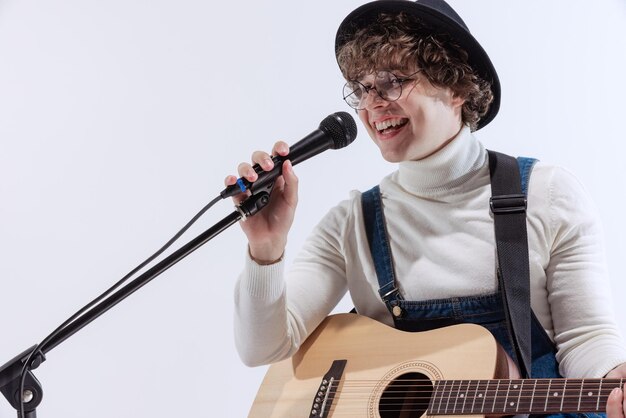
<point x="381" y="126"/>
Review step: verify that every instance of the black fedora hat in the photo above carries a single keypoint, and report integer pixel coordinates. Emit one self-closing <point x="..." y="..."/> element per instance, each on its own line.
<point x="438" y="14"/>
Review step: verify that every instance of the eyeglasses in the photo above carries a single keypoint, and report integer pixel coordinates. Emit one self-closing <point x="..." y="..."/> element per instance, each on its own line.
<point x="387" y="85"/>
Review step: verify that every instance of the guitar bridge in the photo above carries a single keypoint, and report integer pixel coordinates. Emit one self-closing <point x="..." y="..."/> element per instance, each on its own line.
<point x="325" y="394"/>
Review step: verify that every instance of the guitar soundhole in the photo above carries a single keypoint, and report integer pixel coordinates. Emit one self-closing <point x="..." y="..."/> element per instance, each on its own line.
<point x="407" y="396"/>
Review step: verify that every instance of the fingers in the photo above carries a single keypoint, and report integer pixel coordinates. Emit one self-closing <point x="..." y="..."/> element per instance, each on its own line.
<point x="615" y="404"/>
<point x="238" y="198"/>
<point x="264" y="160"/>
<point x="280" y="148"/>
<point x="230" y="180"/>
<point x="261" y="158"/>
<point x="246" y="171"/>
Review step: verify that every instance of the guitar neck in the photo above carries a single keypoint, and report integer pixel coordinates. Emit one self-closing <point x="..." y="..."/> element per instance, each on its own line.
<point x="520" y="396"/>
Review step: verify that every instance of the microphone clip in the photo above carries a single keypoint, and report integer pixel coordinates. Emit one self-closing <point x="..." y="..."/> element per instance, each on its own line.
<point x="254" y="203"/>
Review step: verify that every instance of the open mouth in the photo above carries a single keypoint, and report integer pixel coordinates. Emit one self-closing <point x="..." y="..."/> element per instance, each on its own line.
<point x="390" y="125"/>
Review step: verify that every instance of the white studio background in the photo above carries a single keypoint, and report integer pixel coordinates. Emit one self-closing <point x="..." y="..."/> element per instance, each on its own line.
<point x="120" y="119"/>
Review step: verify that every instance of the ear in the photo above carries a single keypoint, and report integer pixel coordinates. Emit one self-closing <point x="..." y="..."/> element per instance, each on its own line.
<point x="457" y="101"/>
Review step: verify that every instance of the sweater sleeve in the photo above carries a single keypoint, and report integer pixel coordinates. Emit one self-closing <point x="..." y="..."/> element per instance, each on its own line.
<point x="588" y="340"/>
<point x="275" y="311"/>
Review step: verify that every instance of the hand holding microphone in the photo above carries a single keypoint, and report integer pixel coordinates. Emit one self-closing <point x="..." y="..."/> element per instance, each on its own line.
<point x="267" y="231"/>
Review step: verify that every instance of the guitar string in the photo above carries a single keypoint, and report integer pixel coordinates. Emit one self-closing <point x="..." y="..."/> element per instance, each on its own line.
<point x="571" y="386"/>
<point x="500" y="401"/>
<point x="359" y="412"/>
<point x="539" y="380"/>
<point x="388" y="406"/>
<point x="404" y="404"/>
<point x="587" y="385"/>
<point x="491" y="400"/>
<point x="526" y="394"/>
<point x="407" y="405"/>
<point x="487" y="398"/>
<point x="452" y="411"/>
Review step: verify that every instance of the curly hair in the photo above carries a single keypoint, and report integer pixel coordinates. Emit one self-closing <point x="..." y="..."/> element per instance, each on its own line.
<point x="404" y="42"/>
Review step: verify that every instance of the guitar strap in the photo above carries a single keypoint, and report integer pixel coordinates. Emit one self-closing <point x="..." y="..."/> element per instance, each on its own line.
<point x="508" y="206"/>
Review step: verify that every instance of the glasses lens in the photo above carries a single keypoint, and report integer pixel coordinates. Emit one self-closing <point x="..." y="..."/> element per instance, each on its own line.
<point x="388" y="86"/>
<point x="352" y="94"/>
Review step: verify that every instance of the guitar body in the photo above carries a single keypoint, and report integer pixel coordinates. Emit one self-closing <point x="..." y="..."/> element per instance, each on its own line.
<point x="381" y="362"/>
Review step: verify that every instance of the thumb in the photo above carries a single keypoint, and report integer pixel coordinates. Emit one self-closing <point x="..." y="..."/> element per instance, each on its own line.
<point x="291" y="183"/>
<point x="614" y="407"/>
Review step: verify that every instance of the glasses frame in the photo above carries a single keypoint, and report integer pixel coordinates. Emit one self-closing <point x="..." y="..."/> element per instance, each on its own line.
<point x="399" y="80"/>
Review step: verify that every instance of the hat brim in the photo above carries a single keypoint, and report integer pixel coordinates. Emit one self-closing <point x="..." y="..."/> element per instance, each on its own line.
<point x="477" y="57"/>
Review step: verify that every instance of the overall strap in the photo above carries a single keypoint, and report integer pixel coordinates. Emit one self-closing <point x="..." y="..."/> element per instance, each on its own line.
<point x="376" y="232"/>
<point x="509" y="182"/>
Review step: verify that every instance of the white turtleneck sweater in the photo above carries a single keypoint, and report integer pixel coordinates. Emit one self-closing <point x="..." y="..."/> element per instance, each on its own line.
<point x="442" y="241"/>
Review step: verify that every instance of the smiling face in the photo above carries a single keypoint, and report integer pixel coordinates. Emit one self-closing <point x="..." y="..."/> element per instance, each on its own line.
<point x="422" y="121"/>
<point x="402" y="43"/>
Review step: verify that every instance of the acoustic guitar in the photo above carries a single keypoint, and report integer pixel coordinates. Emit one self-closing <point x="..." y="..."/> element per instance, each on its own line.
<point x="354" y="366"/>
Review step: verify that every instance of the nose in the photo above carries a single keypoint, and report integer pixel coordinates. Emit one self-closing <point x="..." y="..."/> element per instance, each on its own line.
<point x="372" y="99"/>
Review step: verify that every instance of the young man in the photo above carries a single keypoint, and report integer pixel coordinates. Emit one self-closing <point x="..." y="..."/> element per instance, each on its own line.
<point x="421" y="85"/>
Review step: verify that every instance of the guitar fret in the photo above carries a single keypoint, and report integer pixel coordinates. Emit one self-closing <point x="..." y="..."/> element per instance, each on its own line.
<point x="563" y="394"/>
<point x="495" y="397"/>
<point x="469" y="383"/>
<point x="555" y="397"/>
<point x="571" y="394"/>
<point x="575" y="394"/>
<point x="599" y="393"/>
<point x="475" y="395"/>
<point x="521" y="390"/>
<point x="514" y="398"/>
<point x="532" y="397"/>
<point x="545" y="408"/>
<point x="482" y="407"/>
<point x="448" y="401"/>
<point x="433" y="399"/>
<point x="441" y="397"/>
<point x="592" y="394"/>
<point x="506" y="398"/>
<point x="526" y="398"/>
<point x="456" y="398"/>
<point x="580" y="395"/>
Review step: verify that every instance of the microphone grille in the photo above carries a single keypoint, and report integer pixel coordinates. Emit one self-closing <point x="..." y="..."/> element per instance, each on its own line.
<point x="340" y="126"/>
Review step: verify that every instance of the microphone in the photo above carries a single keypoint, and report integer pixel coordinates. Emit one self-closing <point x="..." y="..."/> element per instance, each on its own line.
<point x="335" y="131"/>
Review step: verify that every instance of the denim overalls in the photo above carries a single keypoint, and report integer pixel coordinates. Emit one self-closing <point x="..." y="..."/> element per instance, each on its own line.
<point x="485" y="310"/>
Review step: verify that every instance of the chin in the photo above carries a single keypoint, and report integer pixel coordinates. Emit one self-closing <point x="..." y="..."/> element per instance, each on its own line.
<point x="391" y="157"/>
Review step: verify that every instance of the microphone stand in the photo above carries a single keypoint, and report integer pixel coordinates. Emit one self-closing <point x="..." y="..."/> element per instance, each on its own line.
<point x="10" y="372"/>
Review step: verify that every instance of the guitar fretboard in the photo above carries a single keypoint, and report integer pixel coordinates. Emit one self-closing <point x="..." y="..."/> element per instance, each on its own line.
<point x="521" y="396"/>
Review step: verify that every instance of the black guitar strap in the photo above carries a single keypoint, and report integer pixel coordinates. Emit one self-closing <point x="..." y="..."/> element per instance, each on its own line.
<point x="508" y="205"/>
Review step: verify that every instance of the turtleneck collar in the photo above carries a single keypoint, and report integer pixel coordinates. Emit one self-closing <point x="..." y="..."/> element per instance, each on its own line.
<point x="447" y="169"/>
